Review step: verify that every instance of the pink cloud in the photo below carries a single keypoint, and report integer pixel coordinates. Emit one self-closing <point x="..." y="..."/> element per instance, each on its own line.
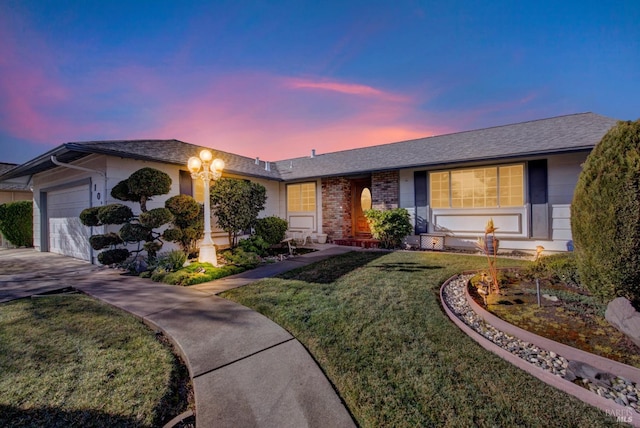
<point x="266" y="116"/>
<point x="345" y="88"/>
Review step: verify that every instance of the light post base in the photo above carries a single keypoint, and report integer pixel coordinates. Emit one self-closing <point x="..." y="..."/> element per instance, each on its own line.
<point x="208" y="254"/>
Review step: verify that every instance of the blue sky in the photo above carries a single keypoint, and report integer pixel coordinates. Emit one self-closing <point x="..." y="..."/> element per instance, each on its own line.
<point x="275" y="79"/>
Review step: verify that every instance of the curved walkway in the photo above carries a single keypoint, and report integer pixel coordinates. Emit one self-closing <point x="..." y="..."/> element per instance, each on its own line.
<point x="247" y="371"/>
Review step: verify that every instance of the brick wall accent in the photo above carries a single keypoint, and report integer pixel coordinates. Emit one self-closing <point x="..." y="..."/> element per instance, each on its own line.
<point x="385" y="190"/>
<point x="336" y="207"/>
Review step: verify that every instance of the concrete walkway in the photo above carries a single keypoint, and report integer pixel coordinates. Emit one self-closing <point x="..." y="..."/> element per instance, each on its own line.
<point x="247" y="371"/>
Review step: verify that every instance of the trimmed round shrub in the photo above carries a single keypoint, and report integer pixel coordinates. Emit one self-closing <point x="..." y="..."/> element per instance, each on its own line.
<point x="389" y="226"/>
<point x="132" y="232"/>
<point x="605" y="215"/>
<point x="114" y="214"/>
<point x="99" y="242"/>
<point x="185" y="209"/>
<point x="172" y="234"/>
<point x="16" y="222"/>
<point x="89" y="216"/>
<point x="115" y="256"/>
<point x="121" y="192"/>
<point x="148" y="182"/>
<point x="152" y="248"/>
<point x="272" y="229"/>
<point x="156" y="217"/>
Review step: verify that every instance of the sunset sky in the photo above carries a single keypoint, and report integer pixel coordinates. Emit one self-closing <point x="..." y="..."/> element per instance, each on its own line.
<point x="276" y="79"/>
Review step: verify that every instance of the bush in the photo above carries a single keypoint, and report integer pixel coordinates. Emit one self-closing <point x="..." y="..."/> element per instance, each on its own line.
<point x="197" y="273"/>
<point x="241" y="258"/>
<point x="561" y="267"/>
<point x="271" y="229"/>
<point x="605" y="215"/>
<point x="16" y="222"/>
<point x="389" y="226"/>
<point x="173" y="260"/>
<point x="254" y="244"/>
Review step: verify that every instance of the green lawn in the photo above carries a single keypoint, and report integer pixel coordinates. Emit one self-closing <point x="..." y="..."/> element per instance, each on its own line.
<point x="374" y="323"/>
<point x="73" y="361"/>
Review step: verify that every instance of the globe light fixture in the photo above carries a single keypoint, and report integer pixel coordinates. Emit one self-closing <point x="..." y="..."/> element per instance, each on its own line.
<point x="202" y="168"/>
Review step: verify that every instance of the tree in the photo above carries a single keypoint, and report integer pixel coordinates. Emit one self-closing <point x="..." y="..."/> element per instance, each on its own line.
<point x="605" y="215"/>
<point x="140" y="187"/>
<point x="236" y="204"/>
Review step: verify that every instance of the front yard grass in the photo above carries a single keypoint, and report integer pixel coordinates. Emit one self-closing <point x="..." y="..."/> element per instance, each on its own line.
<point x="73" y="361"/>
<point x="373" y="322"/>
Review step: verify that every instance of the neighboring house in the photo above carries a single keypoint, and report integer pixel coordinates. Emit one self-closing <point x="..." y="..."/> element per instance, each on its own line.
<point x="521" y="175"/>
<point x="11" y="192"/>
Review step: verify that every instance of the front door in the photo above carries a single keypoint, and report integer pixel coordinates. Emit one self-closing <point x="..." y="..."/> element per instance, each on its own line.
<point x="361" y="201"/>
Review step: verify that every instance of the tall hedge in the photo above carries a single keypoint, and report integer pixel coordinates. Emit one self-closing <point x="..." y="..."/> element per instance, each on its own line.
<point x="16" y="222"/>
<point x="605" y="215"/>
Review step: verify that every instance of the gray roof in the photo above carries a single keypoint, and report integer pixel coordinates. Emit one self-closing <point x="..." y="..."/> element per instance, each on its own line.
<point x="577" y="132"/>
<point x="8" y="186"/>
<point x="165" y="151"/>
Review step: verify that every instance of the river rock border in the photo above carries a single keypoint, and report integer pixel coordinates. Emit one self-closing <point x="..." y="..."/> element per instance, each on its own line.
<point x="606" y="384"/>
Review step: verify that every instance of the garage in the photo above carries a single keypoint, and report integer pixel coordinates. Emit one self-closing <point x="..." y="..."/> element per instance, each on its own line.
<point x="67" y="236"/>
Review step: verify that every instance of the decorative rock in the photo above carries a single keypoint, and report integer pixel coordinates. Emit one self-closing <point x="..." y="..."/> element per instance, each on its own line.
<point x="622" y="315"/>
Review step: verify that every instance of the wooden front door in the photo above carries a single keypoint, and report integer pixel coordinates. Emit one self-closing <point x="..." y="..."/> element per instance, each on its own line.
<point x="361" y="201"/>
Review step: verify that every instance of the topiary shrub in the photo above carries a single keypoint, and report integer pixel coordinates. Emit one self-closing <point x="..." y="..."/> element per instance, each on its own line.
<point x="605" y="215"/>
<point x="139" y="187"/>
<point x="99" y="242"/>
<point x="89" y="216"/>
<point x="389" y="226"/>
<point x="187" y="226"/>
<point x="134" y="232"/>
<point x="155" y="218"/>
<point x="145" y="183"/>
<point x="16" y="222"/>
<point x="114" y="214"/>
<point x="272" y="229"/>
<point x="114" y="256"/>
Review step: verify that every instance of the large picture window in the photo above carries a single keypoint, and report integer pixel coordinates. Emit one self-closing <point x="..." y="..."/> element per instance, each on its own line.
<point x="301" y="197"/>
<point x="487" y="187"/>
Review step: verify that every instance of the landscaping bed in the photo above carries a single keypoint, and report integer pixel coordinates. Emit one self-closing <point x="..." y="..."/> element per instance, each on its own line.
<point x="566" y="314"/>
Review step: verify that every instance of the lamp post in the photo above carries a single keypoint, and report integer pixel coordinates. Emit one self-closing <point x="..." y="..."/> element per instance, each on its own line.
<point x="202" y="167"/>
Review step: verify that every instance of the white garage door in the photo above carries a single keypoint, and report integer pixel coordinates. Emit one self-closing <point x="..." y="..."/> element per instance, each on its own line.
<point x="67" y="235"/>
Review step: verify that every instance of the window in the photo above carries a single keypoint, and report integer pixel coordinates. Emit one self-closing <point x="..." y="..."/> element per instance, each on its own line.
<point x="487" y="187"/>
<point x="301" y="197"/>
<point x="186" y="185"/>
